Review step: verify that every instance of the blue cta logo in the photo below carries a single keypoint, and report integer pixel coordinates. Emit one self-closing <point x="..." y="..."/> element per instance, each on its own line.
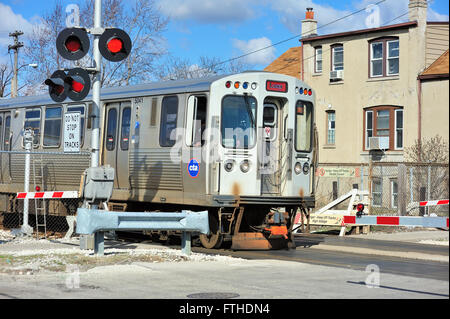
<point x="193" y="168"/>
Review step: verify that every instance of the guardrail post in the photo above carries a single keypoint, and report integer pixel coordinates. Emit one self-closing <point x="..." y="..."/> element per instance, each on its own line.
<point x="186" y="243"/>
<point x="99" y="243"/>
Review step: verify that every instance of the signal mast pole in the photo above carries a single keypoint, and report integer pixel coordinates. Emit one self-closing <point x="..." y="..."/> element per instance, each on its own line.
<point x="95" y="137"/>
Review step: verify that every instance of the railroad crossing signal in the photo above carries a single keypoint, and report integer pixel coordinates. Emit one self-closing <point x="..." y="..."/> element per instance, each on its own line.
<point x="57" y="87"/>
<point x="73" y="44"/>
<point x="114" y="45"/>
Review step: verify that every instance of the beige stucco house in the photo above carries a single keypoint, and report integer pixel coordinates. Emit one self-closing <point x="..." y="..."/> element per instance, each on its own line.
<point x="378" y="90"/>
<point x="369" y="93"/>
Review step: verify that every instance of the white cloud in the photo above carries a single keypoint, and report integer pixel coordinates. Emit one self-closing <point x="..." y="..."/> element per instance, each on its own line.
<point x="10" y="22"/>
<point x="207" y="11"/>
<point x="263" y="57"/>
<point x="293" y="11"/>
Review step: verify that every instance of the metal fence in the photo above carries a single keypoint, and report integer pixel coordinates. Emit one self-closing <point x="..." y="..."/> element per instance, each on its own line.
<point x="49" y="172"/>
<point x="394" y="188"/>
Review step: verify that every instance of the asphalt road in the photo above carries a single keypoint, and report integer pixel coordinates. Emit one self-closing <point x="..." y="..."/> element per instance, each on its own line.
<point x="329" y="257"/>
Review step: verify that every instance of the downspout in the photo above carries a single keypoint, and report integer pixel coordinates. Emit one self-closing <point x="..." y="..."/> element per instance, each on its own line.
<point x="419" y="129"/>
<point x="303" y="62"/>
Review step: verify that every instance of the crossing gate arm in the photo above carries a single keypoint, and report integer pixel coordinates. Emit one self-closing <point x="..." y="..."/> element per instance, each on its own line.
<point x="92" y="221"/>
<point x="427" y="222"/>
<point x="48" y="195"/>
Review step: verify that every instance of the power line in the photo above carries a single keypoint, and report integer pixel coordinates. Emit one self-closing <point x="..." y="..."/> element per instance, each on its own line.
<point x="329" y="49"/>
<point x="289" y="39"/>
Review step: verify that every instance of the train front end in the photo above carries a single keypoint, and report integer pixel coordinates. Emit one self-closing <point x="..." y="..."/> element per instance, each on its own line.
<point x="262" y="163"/>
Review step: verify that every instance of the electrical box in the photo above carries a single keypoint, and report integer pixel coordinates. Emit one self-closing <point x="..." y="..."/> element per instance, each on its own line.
<point x="98" y="184"/>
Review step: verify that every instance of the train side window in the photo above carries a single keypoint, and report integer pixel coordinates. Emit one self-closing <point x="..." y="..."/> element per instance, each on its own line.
<point x="111" y="130"/>
<point x="6" y="137"/>
<point x="303" y="126"/>
<point x="81" y="109"/>
<point x="33" y="121"/>
<point x="196" y="121"/>
<point x="169" y="112"/>
<point x="125" y="129"/>
<point x="52" y="126"/>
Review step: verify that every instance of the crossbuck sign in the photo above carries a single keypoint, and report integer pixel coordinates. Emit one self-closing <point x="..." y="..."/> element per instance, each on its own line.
<point x="72" y="132"/>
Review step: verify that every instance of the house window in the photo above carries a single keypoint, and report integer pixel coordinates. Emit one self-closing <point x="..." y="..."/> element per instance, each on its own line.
<point x="318" y="60"/>
<point x="384" y="57"/>
<point x="398" y="129"/>
<point x="337" y="58"/>
<point x="385" y="122"/>
<point x="376" y="59"/>
<point x="331" y="126"/>
<point x="393" y="57"/>
<point x="377" y="192"/>
<point x="394" y="193"/>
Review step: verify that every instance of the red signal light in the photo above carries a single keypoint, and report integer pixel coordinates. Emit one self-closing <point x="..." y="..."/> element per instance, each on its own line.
<point x="309" y="92"/>
<point x="77" y="86"/>
<point x="37" y="188"/>
<point x="228" y="84"/>
<point x="360" y="207"/>
<point x="115" y="45"/>
<point x="73" y="44"/>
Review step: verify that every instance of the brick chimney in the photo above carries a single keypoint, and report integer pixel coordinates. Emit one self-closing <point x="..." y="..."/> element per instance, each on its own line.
<point x="309" y="25"/>
<point x="418" y="11"/>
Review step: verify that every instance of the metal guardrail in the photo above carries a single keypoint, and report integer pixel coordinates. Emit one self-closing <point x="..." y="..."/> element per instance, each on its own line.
<point x="92" y="221"/>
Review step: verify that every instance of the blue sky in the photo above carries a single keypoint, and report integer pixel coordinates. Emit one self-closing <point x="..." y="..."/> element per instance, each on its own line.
<point x="230" y="28"/>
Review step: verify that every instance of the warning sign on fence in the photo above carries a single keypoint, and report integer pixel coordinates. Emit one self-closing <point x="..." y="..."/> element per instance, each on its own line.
<point x="338" y="171"/>
<point x="326" y="219"/>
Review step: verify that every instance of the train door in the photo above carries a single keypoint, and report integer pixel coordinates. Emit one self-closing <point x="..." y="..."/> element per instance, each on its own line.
<point x="270" y="149"/>
<point x="5" y="139"/>
<point x="117" y="141"/>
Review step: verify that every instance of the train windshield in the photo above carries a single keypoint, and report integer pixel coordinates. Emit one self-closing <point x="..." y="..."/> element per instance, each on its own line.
<point x="303" y="126"/>
<point x="238" y="121"/>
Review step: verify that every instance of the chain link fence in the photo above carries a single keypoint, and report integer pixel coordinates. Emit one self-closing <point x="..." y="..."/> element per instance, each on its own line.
<point x="394" y="188"/>
<point x="49" y="172"/>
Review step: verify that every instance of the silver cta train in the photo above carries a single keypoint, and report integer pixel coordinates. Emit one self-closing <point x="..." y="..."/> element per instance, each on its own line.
<point x="241" y="146"/>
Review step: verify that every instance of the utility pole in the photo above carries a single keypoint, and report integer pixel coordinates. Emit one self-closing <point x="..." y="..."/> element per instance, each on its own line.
<point x="15" y="47"/>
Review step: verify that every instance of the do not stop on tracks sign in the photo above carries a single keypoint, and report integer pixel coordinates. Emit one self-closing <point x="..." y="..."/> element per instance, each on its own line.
<point x="72" y="132"/>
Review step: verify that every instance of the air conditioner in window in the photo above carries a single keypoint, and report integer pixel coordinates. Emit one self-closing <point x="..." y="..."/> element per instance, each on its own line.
<point x="379" y="143"/>
<point x="337" y="75"/>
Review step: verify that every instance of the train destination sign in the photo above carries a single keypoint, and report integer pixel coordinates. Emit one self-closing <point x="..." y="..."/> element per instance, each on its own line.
<point x="277" y="86"/>
<point x="72" y="132"/>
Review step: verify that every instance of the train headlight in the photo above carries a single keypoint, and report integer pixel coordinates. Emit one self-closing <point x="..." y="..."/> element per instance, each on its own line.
<point x="229" y="165"/>
<point x="306" y="168"/>
<point x="245" y="166"/>
<point x="298" y="168"/>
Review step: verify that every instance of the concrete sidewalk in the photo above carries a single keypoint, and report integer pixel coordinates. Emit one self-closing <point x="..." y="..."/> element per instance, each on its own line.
<point x="437" y="237"/>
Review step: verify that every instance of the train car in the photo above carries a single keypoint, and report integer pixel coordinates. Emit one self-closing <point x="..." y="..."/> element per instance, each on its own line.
<point x="241" y="146"/>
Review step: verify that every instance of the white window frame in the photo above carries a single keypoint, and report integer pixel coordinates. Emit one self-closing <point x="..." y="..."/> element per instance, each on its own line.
<point x="330" y="129"/>
<point x="396" y="129"/>
<point x="391" y="58"/>
<point x="333" y="51"/>
<point x="378" y="59"/>
<point x="392" y="181"/>
<point x="380" y="192"/>
<point x="316" y="60"/>
<point x="366" y="129"/>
